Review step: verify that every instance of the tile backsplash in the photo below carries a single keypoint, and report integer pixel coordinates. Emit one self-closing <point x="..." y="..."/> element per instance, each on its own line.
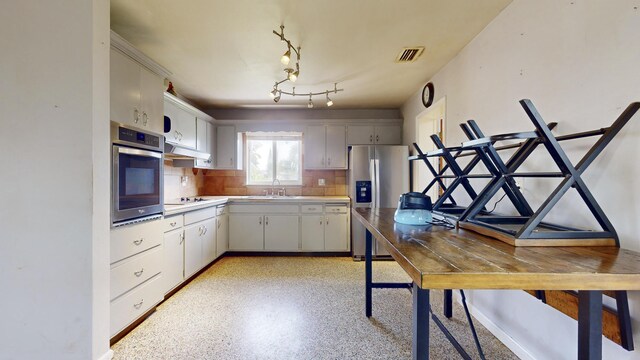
<point x="233" y="182"/>
<point x="173" y="186"/>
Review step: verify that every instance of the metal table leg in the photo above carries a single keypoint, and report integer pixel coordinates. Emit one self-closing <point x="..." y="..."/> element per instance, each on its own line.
<point x="368" y="272"/>
<point x="590" y="325"/>
<point x="420" y="323"/>
<point x="448" y="303"/>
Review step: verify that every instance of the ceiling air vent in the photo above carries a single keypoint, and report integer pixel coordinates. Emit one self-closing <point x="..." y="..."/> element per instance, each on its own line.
<point x="411" y="54"/>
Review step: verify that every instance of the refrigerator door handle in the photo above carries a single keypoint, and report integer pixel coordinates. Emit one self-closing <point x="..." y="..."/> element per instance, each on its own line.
<point x="377" y="188"/>
<point x="374" y="184"/>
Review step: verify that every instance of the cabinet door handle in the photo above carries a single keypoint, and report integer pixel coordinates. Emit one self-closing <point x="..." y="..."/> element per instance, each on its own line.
<point x="138" y="305"/>
<point x="260" y="220"/>
<point x="136" y="116"/>
<point x="145" y="117"/>
<point x="138" y="242"/>
<point x="371" y="138"/>
<point x="322" y="161"/>
<point x="218" y="221"/>
<point x="175" y="134"/>
<point x="181" y="238"/>
<point x="173" y="223"/>
<point x="230" y="161"/>
<point x="329" y="161"/>
<point x="138" y="273"/>
<point x="205" y="230"/>
<point x="320" y="221"/>
<point x="266" y="220"/>
<point x="327" y="220"/>
<point x="377" y="138"/>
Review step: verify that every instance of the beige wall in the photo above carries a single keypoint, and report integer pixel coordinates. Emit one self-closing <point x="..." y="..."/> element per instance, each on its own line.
<point x="578" y="62"/>
<point x="54" y="122"/>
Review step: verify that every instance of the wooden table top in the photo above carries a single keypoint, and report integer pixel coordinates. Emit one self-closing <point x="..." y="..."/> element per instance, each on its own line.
<point x="440" y="258"/>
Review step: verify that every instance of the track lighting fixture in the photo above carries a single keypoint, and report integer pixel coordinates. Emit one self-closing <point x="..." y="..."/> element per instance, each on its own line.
<point x="286" y="57"/>
<point x="329" y="101"/>
<point x="310" y="104"/>
<point x="293" y="74"/>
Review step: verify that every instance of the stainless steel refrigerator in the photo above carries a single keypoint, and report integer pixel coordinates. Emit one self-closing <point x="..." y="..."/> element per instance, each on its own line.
<point x="378" y="175"/>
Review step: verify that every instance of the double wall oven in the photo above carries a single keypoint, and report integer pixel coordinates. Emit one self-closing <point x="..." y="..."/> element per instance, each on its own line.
<point x="137" y="175"/>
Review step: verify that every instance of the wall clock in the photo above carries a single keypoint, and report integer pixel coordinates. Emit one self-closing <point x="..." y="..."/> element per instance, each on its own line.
<point x="427" y="95"/>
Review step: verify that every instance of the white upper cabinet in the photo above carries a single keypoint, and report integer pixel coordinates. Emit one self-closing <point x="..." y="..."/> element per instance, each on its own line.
<point x="136" y="94"/>
<point x="388" y="134"/>
<point x="314" y="147"/>
<point x="205" y="141"/>
<point x="325" y="147"/>
<point x="183" y="123"/>
<point x="336" y="150"/>
<point x="226" y="147"/>
<point x="360" y="134"/>
<point x="125" y="89"/>
<point x="201" y="135"/>
<point x="374" y="134"/>
<point x="151" y="100"/>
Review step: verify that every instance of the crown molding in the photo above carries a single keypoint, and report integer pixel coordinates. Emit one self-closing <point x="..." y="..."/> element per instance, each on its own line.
<point x="125" y="47"/>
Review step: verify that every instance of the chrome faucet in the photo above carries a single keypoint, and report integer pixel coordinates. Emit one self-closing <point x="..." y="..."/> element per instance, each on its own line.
<point x="273" y="185"/>
<point x="281" y="191"/>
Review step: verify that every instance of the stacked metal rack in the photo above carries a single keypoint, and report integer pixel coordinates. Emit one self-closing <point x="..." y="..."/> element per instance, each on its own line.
<point x="527" y="228"/>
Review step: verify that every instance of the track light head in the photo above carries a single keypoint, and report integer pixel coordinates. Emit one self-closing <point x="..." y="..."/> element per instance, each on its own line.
<point x="329" y="101"/>
<point x="277" y="97"/>
<point x="310" y="104"/>
<point x="273" y="93"/>
<point x="286" y="57"/>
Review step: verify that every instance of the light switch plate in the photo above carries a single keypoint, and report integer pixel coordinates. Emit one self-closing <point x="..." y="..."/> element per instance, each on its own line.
<point x="320" y="182"/>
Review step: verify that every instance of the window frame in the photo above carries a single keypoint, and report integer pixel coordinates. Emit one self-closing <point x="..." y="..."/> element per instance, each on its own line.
<point x="274" y="138"/>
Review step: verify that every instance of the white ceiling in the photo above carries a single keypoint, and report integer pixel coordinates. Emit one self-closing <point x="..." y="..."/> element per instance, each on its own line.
<point x="223" y="53"/>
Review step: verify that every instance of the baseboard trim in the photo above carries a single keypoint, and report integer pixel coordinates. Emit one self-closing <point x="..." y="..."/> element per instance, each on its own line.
<point x="107" y="356"/>
<point x="507" y="340"/>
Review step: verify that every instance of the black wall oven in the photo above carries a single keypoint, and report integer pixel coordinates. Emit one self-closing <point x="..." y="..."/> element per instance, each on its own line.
<point x="137" y="175"/>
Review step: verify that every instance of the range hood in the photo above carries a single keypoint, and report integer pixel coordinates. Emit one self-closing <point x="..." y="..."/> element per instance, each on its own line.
<point x="174" y="151"/>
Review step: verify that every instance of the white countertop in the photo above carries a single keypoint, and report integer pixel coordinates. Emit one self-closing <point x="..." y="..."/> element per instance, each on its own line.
<point x="219" y="200"/>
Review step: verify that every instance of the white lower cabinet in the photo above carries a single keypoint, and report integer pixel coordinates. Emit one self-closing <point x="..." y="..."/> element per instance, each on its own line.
<point x="281" y="232"/>
<point x="222" y="233"/>
<point x="189" y="245"/>
<point x="173" y="270"/>
<point x="336" y="237"/>
<point x="132" y="305"/>
<point x="209" y="241"/>
<point x="246" y="232"/>
<point x="312" y="232"/>
<point x="325" y="229"/>
<point x="289" y="227"/>
<point x="136" y="272"/>
<point x="199" y="245"/>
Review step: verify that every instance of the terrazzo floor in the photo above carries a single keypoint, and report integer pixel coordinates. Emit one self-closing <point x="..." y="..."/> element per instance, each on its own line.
<point x="293" y="308"/>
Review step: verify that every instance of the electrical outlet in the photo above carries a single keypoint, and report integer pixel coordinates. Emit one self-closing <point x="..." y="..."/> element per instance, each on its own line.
<point x="320" y="182"/>
<point x="184" y="180"/>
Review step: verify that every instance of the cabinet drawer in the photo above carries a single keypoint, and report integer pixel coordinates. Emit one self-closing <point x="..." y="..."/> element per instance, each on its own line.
<point x="133" y="239"/>
<point x="265" y="209"/>
<point x="172" y="222"/>
<point x="311" y="208"/>
<point x="199" y="215"/>
<point x="221" y="210"/>
<point x="134" y="304"/>
<point x="135" y="271"/>
<point x="336" y="209"/>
